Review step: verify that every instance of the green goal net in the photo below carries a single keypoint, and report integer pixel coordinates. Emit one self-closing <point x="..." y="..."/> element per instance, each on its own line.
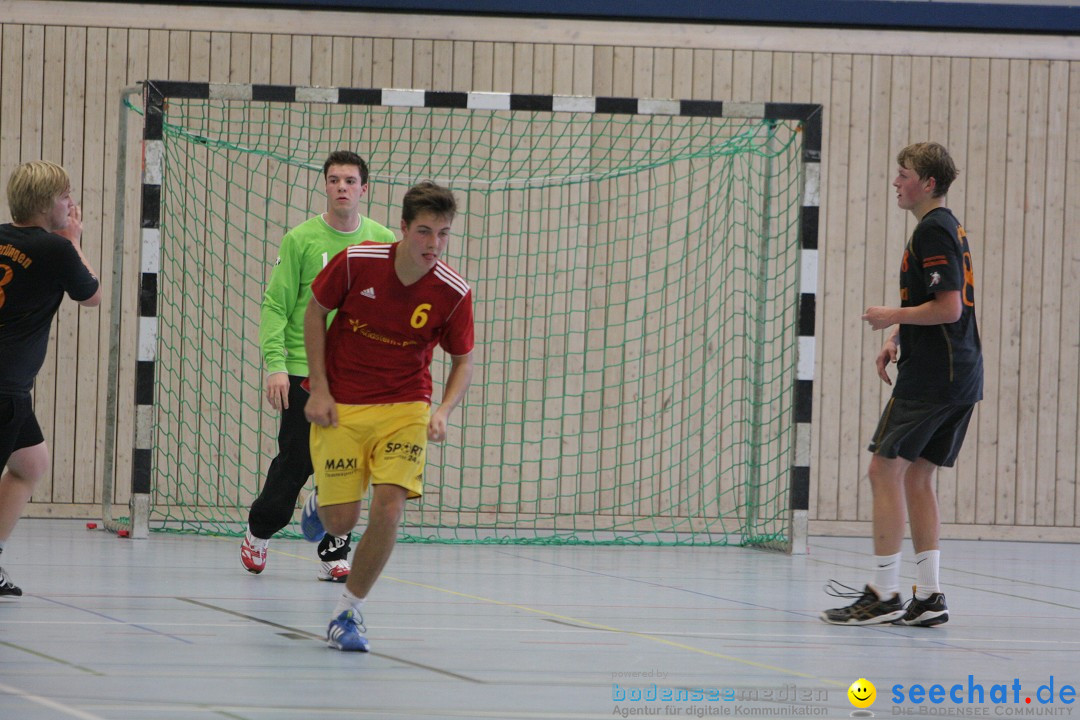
<point x="636" y="292"/>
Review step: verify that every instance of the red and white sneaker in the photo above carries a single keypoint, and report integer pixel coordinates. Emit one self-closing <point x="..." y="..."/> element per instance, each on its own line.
<point x="253" y="554"/>
<point x="334" y="571"/>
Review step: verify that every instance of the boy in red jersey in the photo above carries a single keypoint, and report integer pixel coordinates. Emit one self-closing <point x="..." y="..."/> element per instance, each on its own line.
<point x="305" y="251"/>
<point x="370" y="383"/>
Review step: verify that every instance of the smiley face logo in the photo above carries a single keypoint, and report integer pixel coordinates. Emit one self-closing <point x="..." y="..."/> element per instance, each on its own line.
<point x="862" y="693"/>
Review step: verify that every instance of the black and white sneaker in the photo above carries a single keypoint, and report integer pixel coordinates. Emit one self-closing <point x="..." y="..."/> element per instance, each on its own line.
<point x="926" y="613"/>
<point x="334" y="554"/>
<point x="8" y="588"/>
<point x="868" y="608"/>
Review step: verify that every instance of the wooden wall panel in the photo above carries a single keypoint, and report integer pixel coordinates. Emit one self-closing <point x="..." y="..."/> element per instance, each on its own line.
<point x="959" y="504"/>
<point x="854" y="71"/>
<point x="837" y="489"/>
<point x="1068" y="506"/>
<point x="1014" y="477"/>
<point x="1010" y="119"/>
<point x="91" y="363"/>
<point x="1055" y="493"/>
<point x="879" y="262"/>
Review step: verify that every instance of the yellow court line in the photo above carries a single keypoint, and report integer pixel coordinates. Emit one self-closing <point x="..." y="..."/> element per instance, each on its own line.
<point x="599" y="626"/>
<point x="621" y="631"/>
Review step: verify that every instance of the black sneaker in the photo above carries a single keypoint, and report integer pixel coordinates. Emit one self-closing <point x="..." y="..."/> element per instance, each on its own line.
<point x="926" y="613"/>
<point x="332" y="547"/>
<point x="868" y="609"/>
<point x="8" y="588"/>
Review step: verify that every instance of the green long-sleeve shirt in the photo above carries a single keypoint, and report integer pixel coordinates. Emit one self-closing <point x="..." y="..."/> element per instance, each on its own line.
<point x="305" y="250"/>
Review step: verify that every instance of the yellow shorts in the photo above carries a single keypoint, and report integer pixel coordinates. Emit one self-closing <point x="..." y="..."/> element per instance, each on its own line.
<point x="372" y="444"/>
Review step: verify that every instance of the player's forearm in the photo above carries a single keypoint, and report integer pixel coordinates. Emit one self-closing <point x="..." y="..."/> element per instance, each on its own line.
<point x="272" y="322"/>
<point x="82" y="256"/>
<point x="457" y="383"/>
<point x="315" y="345"/>
<point x="95" y="299"/>
<point x="73" y="233"/>
<point x="279" y="302"/>
<point x="945" y="308"/>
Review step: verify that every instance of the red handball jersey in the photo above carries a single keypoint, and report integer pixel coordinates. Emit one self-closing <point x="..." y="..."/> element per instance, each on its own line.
<point x="380" y="344"/>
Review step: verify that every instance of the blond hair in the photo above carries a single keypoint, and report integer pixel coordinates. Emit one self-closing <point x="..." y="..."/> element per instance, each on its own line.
<point x="33" y="188"/>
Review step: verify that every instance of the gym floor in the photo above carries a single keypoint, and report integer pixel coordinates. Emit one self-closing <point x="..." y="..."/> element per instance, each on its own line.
<point x="172" y="627"/>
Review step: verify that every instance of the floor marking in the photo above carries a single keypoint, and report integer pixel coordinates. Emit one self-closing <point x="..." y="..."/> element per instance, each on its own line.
<point x="887" y="629"/>
<point x="587" y="624"/>
<point x="322" y="639"/>
<point x="115" y="620"/>
<point x="253" y="618"/>
<point x="51" y="704"/>
<point x="53" y="659"/>
<point x="608" y="628"/>
<point x="962" y="571"/>
<point x="225" y="713"/>
<point x="565" y="619"/>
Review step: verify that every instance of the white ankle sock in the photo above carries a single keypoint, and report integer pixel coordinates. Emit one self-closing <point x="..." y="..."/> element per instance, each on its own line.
<point x="886" y="582"/>
<point x="256" y="542"/>
<point x="926" y="566"/>
<point x="348" y="601"/>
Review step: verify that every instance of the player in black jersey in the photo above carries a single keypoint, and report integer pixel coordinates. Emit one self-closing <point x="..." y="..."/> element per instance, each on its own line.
<point x="41" y="259"/>
<point x="934" y="340"/>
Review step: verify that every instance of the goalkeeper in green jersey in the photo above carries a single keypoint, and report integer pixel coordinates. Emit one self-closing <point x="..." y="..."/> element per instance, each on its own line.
<point x="305" y="250"/>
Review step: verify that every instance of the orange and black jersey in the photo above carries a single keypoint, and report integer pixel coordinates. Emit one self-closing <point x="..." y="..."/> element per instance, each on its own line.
<point x="36" y="269"/>
<point x="939" y="363"/>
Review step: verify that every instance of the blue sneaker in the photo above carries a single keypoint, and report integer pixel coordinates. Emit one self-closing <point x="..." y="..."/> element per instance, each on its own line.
<point x="346" y="632"/>
<point x="310" y="524"/>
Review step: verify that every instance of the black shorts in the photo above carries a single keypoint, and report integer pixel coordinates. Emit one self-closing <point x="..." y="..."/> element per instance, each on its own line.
<point x="913" y="429"/>
<point x="18" y="427"/>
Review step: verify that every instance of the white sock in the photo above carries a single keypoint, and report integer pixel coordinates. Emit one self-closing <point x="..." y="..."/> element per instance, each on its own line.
<point x="256" y="542"/>
<point x="886" y="582"/>
<point x="926" y="566"/>
<point x="348" y="601"/>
